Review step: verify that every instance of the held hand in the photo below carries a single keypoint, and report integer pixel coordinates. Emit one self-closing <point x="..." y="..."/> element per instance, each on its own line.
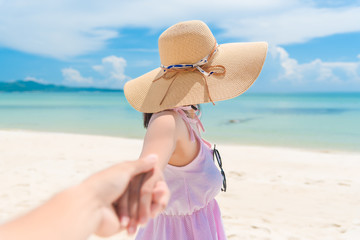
<point x="108" y="185"/>
<point x="146" y="196"/>
<point x="155" y="198"/>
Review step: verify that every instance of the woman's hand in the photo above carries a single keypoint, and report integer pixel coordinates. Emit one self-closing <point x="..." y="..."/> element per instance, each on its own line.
<point x="143" y="199"/>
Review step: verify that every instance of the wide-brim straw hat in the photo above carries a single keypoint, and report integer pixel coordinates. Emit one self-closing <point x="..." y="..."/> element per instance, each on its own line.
<point x="183" y="78"/>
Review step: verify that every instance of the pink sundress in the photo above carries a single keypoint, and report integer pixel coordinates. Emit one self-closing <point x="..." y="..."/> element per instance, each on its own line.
<point x="192" y="212"/>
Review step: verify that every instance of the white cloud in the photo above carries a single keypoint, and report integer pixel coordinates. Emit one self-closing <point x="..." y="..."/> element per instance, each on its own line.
<point x="65" y="28"/>
<point x="34" y="79"/>
<point x="316" y="70"/>
<point x="73" y="77"/>
<point x="111" y="69"/>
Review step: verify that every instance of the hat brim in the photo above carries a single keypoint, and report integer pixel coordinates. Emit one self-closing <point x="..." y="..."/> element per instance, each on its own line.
<point x="243" y="63"/>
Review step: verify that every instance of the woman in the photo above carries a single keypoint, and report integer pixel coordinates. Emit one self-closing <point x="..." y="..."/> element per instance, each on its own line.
<point x="194" y="70"/>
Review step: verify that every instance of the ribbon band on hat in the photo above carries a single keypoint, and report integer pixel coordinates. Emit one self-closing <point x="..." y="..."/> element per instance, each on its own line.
<point x="172" y="71"/>
<point x="195" y="65"/>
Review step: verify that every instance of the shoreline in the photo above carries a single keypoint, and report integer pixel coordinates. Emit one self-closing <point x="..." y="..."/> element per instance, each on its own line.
<point x="234" y="144"/>
<point x="273" y="192"/>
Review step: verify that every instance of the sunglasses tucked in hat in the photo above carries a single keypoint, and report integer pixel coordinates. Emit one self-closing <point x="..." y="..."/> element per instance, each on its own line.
<point x="195" y="69"/>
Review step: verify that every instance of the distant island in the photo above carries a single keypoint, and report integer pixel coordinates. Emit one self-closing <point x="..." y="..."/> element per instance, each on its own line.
<point x="31" y="86"/>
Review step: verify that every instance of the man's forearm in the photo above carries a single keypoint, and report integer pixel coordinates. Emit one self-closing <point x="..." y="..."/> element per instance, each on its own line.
<point x="71" y="214"/>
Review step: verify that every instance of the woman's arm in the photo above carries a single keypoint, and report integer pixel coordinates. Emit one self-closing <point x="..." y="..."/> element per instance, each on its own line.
<point x="160" y="140"/>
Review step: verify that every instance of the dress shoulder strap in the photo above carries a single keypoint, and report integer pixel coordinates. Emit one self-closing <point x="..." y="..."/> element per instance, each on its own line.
<point x="188" y="121"/>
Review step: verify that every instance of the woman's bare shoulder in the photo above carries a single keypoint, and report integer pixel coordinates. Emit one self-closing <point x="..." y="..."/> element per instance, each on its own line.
<point x="161" y="137"/>
<point x="167" y="117"/>
<point x="168" y="121"/>
<point x="163" y="118"/>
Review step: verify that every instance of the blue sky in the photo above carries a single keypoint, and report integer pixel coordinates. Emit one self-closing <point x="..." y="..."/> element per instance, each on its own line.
<point x="313" y="45"/>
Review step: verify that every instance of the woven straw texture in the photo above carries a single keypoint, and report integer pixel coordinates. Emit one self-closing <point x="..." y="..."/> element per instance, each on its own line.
<point x="186" y="43"/>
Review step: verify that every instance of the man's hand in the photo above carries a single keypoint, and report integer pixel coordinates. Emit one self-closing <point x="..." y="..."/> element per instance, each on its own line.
<point x="114" y="184"/>
<point x="77" y="212"/>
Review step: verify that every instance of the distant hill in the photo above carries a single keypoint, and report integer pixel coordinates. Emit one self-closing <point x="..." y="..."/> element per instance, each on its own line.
<point x="31" y="86"/>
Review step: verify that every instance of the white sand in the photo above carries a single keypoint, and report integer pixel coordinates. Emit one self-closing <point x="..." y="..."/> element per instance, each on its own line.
<point x="273" y="193"/>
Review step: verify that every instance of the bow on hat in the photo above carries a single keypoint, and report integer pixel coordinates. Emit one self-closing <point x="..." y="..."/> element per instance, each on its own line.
<point x="172" y="71"/>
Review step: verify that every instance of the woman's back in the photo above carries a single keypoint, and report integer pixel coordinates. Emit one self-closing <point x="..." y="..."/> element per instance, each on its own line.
<point x="186" y="150"/>
<point x="192" y="212"/>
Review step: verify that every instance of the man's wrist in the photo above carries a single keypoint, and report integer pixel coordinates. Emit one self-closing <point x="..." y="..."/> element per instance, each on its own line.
<point x="87" y="191"/>
<point x="82" y="198"/>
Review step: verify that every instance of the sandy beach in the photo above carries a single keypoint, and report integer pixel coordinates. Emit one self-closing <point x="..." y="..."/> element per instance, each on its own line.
<point x="273" y="193"/>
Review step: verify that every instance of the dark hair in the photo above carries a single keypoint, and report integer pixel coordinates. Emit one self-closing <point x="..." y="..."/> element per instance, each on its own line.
<point x="147" y="116"/>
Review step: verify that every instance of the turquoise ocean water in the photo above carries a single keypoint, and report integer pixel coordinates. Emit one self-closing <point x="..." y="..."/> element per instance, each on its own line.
<point x="322" y="121"/>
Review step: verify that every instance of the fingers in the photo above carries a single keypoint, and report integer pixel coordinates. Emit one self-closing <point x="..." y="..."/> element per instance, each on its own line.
<point x="160" y="198"/>
<point x="133" y="202"/>
<point x="123" y="209"/>
<point x="145" y="198"/>
<point x="109" y="224"/>
<point x="143" y="165"/>
<point x="111" y="183"/>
